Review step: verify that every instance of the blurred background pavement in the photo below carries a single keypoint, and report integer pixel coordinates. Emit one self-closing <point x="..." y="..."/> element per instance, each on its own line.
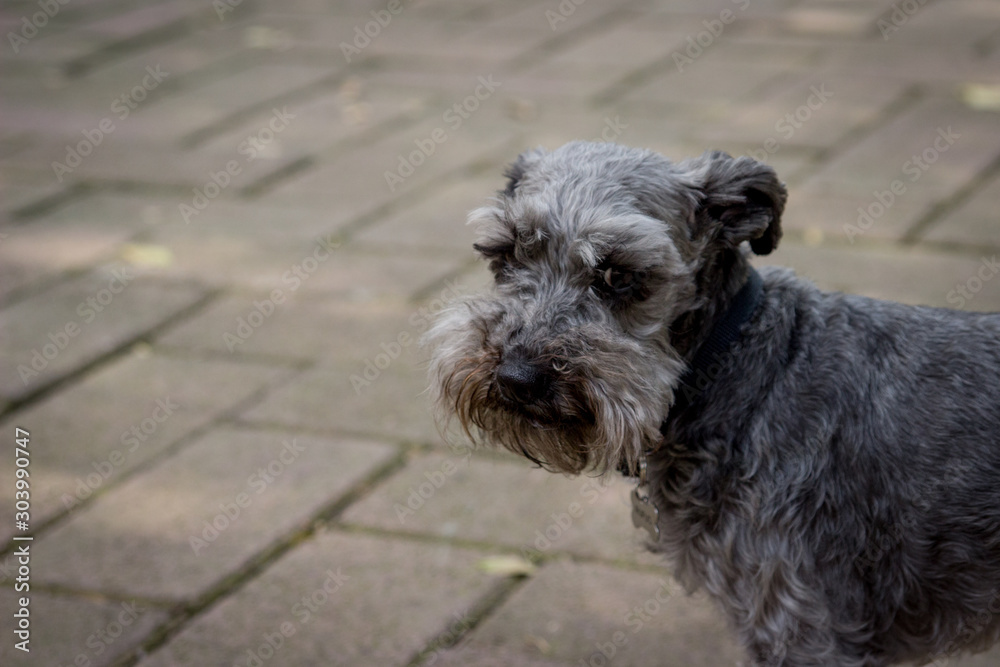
<point x="226" y="222"/>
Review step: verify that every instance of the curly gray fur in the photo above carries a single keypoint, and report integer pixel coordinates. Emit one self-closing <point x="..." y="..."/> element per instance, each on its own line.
<point x="834" y="485"/>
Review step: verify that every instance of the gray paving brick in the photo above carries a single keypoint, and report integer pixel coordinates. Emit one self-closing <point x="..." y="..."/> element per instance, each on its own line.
<point x="225" y="249"/>
<point x="391" y="404"/>
<point x="463" y="496"/>
<point x="356" y="181"/>
<point x="725" y="75"/>
<point x="69" y="630"/>
<point x="974" y="222"/>
<point x="438" y="221"/>
<point x="82" y="446"/>
<point x="298" y="327"/>
<point x="934" y="45"/>
<point x="110" y="212"/>
<point x="194" y="55"/>
<point x="174" y="531"/>
<point x="862" y="175"/>
<point x="490" y="657"/>
<point x="354" y="121"/>
<point x="52" y="333"/>
<point x="46" y="249"/>
<point x="179" y="114"/>
<point x="357" y="105"/>
<point x="818" y="110"/>
<point x="915" y="276"/>
<point x="371" y="618"/>
<point x="131" y="160"/>
<point x="580" y="613"/>
<point x="140" y="19"/>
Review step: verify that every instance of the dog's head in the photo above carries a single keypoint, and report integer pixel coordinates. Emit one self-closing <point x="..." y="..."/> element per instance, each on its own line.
<point x="607" y="262"/>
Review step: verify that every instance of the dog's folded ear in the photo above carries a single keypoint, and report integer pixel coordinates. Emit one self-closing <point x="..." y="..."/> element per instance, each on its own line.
<point x="741" y="199"/>
<point x="516" y="171"/>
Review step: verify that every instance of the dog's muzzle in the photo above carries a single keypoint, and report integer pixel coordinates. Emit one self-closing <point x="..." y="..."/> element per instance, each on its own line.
<point x="521" y="382"/>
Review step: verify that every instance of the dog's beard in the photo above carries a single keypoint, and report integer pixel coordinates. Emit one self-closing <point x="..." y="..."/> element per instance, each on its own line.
<point x="605" y="406"/>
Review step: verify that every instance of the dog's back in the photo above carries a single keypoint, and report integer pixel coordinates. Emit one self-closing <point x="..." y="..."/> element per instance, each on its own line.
<point x="866" y="432"/>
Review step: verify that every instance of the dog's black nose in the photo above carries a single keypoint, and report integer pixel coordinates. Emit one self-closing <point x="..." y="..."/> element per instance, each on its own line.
<point x="520" y="381"/>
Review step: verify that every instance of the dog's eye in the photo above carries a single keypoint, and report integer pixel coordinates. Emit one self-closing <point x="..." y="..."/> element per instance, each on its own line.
<point x="620" y="281"/>
<point x="620" y="286"/>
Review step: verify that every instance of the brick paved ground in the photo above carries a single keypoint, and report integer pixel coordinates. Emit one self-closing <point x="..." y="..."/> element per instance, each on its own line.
<point x="201" y="247"/>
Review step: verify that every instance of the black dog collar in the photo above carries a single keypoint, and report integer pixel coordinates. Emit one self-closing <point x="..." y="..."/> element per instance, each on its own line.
<point x="711" y="356"/>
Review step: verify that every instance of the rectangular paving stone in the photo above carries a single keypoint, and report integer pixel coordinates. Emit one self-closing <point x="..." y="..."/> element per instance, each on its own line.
<point x="408" y="33"/>
<point x="818" y="109"/>
<point x="582" y="613"/>
<point x="725" y="74"/>
<point x="974" y="222"/>
<point x="44" y="249"/>
<point x="68" y="630"/>
<point x="915" y="151"/>
<point x="54" y="332"/>
<point x="461" y="495"/>
<point x="372" y="378"/>
<point x="86" y="437"/>
<point x="298" y="327"/>
<point x="140" y="19"/>
<point x="336" y="396"/>
<point x="210" y="101"/>
<point x="151" y="160"/>
<point x="192" y="55"/>
<point x="355" y="182"/>
<point x="282" y="256"/>
<point x="937" y="46"/>
<point x="321" y="122"/>
<point x="438" y="221"/>
<point x="916" y="276"/>
<point x="349" y="600"/>
<point x="36" y="103"/>
<point x="177" y="529"/>
<point x="853" y="218"/>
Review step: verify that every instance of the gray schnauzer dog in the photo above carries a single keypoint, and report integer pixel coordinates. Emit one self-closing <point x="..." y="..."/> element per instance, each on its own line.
<point x="826" y="466"/>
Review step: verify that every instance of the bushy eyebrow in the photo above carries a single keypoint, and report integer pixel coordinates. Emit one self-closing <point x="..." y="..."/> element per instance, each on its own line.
<point x="505" y="231"/>
<point x="637" y="247"/>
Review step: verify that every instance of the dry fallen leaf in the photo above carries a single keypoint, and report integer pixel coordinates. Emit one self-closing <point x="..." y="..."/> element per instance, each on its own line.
<point x="981" y="96"/>
<point x="144" y="254"/>
<point x="507" y="565"/>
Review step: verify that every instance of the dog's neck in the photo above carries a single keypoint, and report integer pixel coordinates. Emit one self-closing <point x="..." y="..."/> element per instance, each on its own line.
<point x="711" y="353"/>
